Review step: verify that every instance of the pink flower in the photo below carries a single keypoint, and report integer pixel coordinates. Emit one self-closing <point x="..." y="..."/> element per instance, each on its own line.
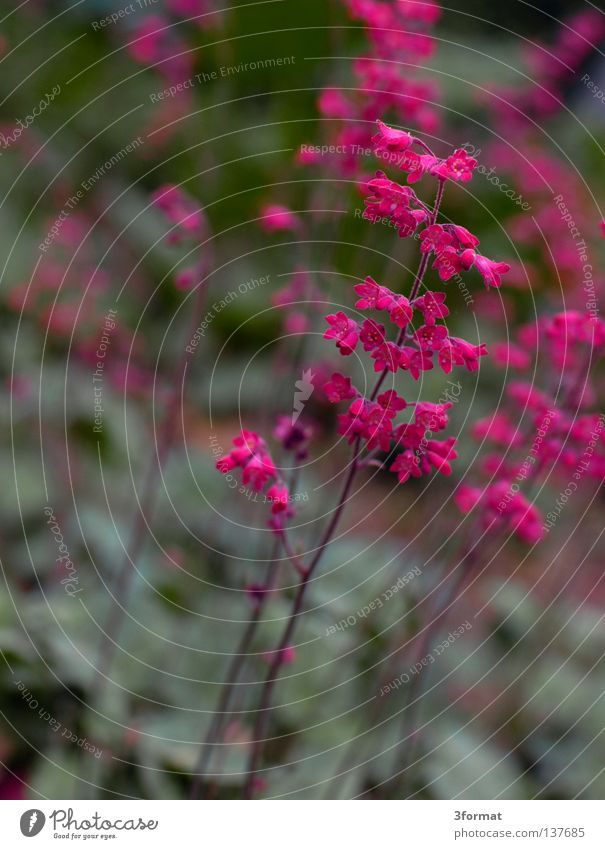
<point x="386" y="198"/>
<point x="464" y="237"/>
<point x="288" y="655"/>
<point x="274" y="217"/>
<point x="372" y="334"/>
<point x="386" y="356"/>
<point x="435" y="238"/>
<point x="391" y="140"/>
<point x="258" y="471"/>
<point x="392" y="403"/>
<point x="467" y="497"/>
<point x="437" y="455"/>
<point x="406" y="465"/>
<point x="448" y="263"/>
<point x="432" y="306"/>
<point x="415" y="361"/>
<point x="431" y="337"/>
<point x="417" y="164"/>
<point x="497" y="428"/>
<point x="433" y="417"/>
<point x="459" y="167"/>
<point x="506" y="354"/>
<point x="400" y="311"/>
<point x="278" y="495"/>
<point x="185" y="279"/>
<point x="293" y="436"/>
<point x="148" y="39"/>
<point x="491" y="271"/>
<point x="344" y="330"/>
<point x="339" y="388"/>
<point x="459" y="352"/>
<point x="373" y="296"/>
<point x="333" y="104"/>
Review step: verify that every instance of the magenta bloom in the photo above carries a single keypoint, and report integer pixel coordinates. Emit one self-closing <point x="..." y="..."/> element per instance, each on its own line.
<point x="459" y="167"/>
<point x="387" y="356"/>
<point x="386" y="198"/>
<point x="373" y="296"/>
<point x="391" y="140"/>
<point x="415" y="361"/>
<point x="278" y="495"/>
<point x="274" y="218"/>
<point x="406" y="465"/>
<point x="400" y="311"/>
<point x="372" y="334"/>
<point x="432" y="306"/>
<point x="491" y="271"/>
<point x="467" y="497"/>
<point x="333" y="104"/>
<point x="339" y="388"/>
<point x="148" y="39"/>
<point x="431" y="337"/>
<point x="344" y="330"/>
<point x="432" y="416"/>
<point x="392" y="403"/>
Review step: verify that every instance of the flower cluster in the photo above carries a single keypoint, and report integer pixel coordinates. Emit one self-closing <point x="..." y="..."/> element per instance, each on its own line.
<point x="251" y="454"/>
<point x="373" y="425"/>
<point x="541" y="426"/>
<point x="399" y="40"/>
<point x="414" y="350"/>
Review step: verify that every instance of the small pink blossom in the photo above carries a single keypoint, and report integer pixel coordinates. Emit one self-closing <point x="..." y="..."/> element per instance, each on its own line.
<point x="339" y="388"/>
<point x="275" y="217"/>
<point x="344" y="330"/>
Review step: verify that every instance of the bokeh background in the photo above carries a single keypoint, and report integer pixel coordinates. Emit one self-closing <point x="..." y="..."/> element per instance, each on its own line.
<point x="515" y="708"/>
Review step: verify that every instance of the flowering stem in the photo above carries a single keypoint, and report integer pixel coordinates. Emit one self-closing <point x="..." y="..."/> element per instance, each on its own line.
<point x="275" y="667"/>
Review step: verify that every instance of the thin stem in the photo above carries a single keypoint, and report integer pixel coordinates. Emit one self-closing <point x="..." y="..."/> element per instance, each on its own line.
<point x="274" y="669"/>
<point x="405" y="748"/>
<point x="221" y="713"/>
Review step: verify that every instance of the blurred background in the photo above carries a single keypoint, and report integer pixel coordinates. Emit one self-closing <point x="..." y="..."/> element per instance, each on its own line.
<point x="125" y="555"/>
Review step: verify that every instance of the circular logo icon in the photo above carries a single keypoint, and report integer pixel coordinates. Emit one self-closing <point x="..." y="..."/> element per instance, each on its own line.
<point x="32" y="822"/>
